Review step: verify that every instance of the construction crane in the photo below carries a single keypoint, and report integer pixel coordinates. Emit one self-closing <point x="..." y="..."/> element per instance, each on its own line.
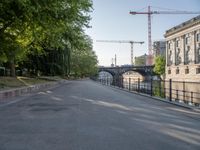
<point x="149" y="13"/>
<point x="131" y="42"/>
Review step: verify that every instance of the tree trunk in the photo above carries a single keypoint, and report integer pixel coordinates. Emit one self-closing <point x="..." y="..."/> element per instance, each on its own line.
<point x="12" y="68"/>
<point x="69" y="62"/>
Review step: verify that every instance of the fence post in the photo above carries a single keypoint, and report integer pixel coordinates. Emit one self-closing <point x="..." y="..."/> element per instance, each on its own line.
<point x="122" y="82"/>
<point x="138" y="84"/>
<point x="192" y="97"/>
<point x="144" y="88"/>
<point x="184" y="91"/>
<point x="114" y="79"/>
<point x="151" y="86"/>
<point x="170" y="89"/>
<point x="129" y="84"/>
<point x="177" y="95"/>
<point x="106" y="80"/>
<point x="164" y="88"/>
<point x="160" y="94"/>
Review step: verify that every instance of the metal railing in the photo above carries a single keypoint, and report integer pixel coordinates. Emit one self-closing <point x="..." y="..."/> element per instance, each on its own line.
<point x="179" y="91"/>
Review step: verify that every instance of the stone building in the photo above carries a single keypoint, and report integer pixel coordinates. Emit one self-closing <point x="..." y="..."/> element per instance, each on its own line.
<point x="183" y="51"/>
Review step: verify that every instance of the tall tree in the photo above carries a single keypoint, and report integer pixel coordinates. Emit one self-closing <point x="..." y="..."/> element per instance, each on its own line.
<point x="84" y="62"/>
<point x="160" y="65"/>
<point x="33" y="27"/>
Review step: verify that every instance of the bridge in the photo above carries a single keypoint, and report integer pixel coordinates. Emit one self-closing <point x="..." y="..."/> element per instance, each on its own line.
<point x="117" y="72"/>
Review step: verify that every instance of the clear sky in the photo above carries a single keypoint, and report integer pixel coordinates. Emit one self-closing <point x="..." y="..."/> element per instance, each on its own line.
<point x="111" y="21"/>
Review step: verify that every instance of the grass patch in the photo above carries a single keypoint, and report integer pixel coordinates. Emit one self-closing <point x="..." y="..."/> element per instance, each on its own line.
<point x="10" y="82"/>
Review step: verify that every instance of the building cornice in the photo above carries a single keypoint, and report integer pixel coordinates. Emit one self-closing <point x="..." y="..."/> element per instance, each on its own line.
<point x="185" y="25"/>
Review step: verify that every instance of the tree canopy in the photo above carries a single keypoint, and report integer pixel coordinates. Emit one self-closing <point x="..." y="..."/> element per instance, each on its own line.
<point x="45" y="36"/>
<point x="159" y="65"/>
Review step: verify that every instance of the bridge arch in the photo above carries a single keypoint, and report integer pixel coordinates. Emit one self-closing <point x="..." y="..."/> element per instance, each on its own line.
<point x="108" y="71"/>
<point x="105" y="76"/>
<point x="142" y="71"/>
<point x="117" y="72"/>
<point x="132" y="74"/>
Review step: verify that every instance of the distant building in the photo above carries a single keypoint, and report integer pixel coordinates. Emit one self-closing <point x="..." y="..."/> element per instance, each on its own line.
<point x="134" y="76"/>
<point x="141" y="60"/>
<point x="183" y="51"/>
<point x="159" y="48"/>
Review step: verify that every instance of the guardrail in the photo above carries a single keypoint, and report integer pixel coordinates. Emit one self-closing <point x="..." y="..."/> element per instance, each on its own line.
<point x="179" y="91"/>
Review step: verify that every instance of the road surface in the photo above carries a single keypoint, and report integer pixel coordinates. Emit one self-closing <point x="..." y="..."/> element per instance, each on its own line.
<point x="84" y="115"/>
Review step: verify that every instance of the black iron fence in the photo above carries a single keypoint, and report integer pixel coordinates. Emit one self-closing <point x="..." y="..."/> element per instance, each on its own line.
<point x="180" y="91"/>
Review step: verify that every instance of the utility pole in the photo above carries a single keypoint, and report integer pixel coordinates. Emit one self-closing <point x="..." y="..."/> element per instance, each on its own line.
<point x="115" y="60"/>
<point x="112" y="62"/>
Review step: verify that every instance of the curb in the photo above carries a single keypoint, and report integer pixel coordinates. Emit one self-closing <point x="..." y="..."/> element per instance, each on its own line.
<point x="6" y="95"/>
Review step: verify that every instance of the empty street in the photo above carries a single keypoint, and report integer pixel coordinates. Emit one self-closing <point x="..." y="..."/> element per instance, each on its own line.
<point x="84" y="115"/>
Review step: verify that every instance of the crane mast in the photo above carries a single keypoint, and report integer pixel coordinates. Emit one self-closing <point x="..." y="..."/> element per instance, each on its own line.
<point x="149" y="13"/>
<point x="149" y="57"/>
<point x="123" y="41"/>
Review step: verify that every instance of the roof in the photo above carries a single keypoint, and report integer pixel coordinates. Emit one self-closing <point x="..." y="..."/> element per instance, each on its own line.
<point x="183" y="26"/>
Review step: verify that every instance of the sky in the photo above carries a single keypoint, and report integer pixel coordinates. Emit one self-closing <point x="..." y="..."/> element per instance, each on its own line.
<point x="111" y="21"/>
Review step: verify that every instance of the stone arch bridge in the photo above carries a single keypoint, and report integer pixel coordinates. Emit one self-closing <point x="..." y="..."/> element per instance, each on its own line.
<point x="117" y="72"/>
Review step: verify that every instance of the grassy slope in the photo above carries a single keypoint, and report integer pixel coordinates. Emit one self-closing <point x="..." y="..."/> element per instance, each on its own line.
<point x="9" y="82"/>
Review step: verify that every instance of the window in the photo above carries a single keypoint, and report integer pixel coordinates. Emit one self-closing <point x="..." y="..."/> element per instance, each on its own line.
<point x="187" y="70"/>
<point x="177" y="71"/>
<point x="198" y="55"/>
<point x="198" y="70"/>
<point x="187" y="55"/>
<point x="169" y="45"/>
<point x="177" y="43"/>
<point x="198" y="37"/>
<point x="187" y="40"/>
<point x="170" y="58"/>
<point x="169" y="71"/>
<point x="178" y="58"/>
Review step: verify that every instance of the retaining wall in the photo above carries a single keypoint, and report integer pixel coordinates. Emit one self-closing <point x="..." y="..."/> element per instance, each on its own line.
<point x="5" y="95"/>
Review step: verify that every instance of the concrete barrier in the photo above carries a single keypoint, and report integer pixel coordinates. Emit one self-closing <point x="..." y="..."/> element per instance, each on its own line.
<point x="5" y="95"/>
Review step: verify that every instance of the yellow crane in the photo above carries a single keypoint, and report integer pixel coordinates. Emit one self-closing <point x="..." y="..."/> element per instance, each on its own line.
<point x="124" y="41"/>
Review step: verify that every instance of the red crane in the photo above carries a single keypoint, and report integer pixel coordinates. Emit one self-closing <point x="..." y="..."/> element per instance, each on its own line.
<point x="149" y="13"/>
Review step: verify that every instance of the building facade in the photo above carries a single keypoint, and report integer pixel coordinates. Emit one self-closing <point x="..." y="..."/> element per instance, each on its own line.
<point x="141" y="60"/>
<point x="159" y="48"/>
<point x="183" y="51"/>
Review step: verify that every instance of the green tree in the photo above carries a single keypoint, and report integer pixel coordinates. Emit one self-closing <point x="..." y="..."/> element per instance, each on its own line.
<point x="84" y="62"/>
<point x="160" y="65"/>
<point x="34" y="30"/>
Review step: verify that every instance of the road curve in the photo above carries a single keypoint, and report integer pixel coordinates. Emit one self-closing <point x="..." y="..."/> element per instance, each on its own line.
<point x="84" y="115"/>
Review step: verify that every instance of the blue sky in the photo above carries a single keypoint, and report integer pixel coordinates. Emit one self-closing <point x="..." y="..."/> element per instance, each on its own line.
<point x="111" y="21"/>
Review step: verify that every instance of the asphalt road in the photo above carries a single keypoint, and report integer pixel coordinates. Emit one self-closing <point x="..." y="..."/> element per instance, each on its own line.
<point x="84" y="115"/>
